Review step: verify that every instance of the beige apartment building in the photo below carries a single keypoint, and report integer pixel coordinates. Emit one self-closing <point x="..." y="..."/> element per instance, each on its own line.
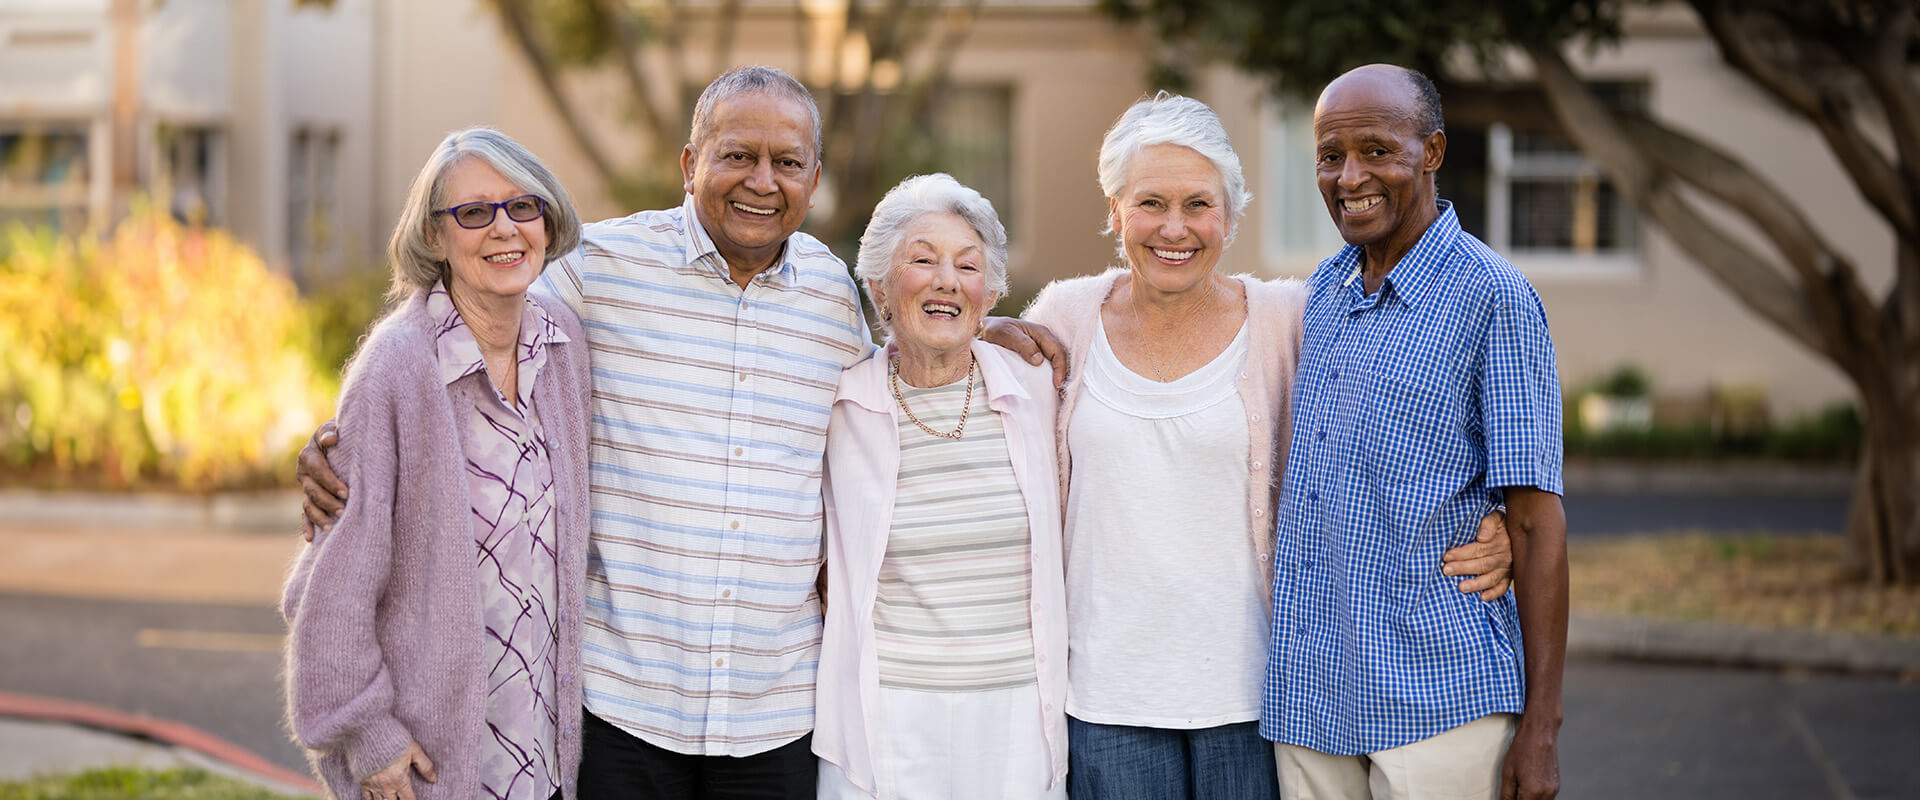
<point x="298" y="126"/>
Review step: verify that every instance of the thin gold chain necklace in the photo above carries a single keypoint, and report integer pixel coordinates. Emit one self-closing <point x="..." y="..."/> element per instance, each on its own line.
<point x="1187" y="338"/>
<point x="893" y="380"/>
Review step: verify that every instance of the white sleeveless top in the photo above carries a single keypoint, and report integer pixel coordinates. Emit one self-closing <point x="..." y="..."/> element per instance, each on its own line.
<point x="1167" y="625"/>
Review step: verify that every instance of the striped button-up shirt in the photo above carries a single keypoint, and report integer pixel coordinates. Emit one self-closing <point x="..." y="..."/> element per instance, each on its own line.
<point x="710" y="408"/>
<point x="1414" y="405"/>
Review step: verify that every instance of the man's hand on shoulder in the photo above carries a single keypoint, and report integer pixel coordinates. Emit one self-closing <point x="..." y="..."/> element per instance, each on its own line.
<point x="1031" y="341"/>
<point x="325" y="494"/>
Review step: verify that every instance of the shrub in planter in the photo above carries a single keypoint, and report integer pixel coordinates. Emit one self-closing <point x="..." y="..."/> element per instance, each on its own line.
<point x="162" y="353"/>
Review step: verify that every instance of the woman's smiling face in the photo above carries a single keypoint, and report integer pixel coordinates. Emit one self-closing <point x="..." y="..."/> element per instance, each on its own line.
<point x="936" y="292"/>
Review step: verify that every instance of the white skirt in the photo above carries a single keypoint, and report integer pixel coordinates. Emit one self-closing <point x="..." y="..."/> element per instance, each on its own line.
<point x="959" y="745"/>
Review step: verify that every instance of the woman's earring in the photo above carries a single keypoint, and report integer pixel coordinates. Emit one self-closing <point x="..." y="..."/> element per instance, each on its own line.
<point x="886" y="315"/>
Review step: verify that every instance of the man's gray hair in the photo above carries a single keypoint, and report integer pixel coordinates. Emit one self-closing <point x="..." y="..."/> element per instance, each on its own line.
<point x="1167" y="118"/>
<point x="415" y="266"/>
<point x="916" y="197"/>
<point x="751" y="80"/>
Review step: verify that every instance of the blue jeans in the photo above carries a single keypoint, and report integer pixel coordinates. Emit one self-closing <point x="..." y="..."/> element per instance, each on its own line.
<point x="1123" y="762"/>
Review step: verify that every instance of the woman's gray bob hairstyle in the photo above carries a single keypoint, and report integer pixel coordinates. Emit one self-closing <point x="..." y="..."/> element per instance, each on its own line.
<point x="916" y="197"/>
<point x="415" y="266"/>
<point x="1167" y="118"/>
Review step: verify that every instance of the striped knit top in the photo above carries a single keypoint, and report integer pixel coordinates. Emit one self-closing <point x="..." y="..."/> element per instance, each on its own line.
<point x="951" y="614"/>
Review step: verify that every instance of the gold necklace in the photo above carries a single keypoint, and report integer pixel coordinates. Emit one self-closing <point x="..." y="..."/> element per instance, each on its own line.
<point x="1141" y="320"/>
<point x="893" y="380"/>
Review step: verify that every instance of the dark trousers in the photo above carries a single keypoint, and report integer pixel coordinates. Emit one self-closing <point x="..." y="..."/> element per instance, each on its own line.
<point x="615" y="765"/>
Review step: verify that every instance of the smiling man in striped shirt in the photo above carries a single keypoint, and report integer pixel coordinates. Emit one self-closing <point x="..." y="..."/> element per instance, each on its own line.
<point x="718" y="333"/>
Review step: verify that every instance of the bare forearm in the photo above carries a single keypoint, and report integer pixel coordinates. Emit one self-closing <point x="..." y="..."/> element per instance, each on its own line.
<point x="1539" y="529"/>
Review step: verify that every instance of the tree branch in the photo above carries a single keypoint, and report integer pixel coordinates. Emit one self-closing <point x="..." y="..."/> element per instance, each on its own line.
<point x="519" y="26"/>
<point x="1828" y="110"/>
<point x="1890" y="76"/>
<point x="725" y="25"/>
<point x="659" y="132"/>
<point x="1738" y="268"/>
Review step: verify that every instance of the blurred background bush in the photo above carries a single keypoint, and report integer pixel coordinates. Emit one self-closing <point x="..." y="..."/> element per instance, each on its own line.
<point x="162" y="355"/>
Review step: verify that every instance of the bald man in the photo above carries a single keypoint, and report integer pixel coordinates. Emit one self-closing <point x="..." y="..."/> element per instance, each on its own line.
<point x="1427" y="392"/>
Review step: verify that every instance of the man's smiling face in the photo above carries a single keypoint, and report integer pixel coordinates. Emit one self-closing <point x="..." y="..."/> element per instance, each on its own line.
<point x="1374" y="168"/>
<point x="752" y="179"/>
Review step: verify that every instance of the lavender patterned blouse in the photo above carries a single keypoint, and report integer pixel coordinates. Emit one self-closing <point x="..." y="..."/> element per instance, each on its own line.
<point x="510" y="480"/>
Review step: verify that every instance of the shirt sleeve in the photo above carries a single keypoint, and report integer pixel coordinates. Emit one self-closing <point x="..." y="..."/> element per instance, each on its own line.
<point x="1520" y="397"/>
<point x="560" y="281"/>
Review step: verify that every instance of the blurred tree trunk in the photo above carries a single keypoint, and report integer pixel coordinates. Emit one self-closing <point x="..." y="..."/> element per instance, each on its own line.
<point x="888" y="61"/>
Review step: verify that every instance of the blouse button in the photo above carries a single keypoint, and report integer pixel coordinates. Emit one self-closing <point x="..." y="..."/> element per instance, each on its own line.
<point x="1256" y="466"/>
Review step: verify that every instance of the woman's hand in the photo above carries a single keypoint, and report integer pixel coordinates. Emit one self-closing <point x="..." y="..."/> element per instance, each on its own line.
<point x="1489" y="558"/>
<point x="393" y="783"/>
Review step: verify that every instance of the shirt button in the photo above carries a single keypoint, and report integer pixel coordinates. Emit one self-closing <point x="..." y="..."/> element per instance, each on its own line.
<point x="726" y="592"/>
<point x="1259" y="512"/>
<point x="1254" y="418"/>
<point x="743" y="377"/>
<point x="1256" y="465"/>
<point x="1043" y="659"/>
<point x="739" y="451"/>
<point x="1335" y="375"/>
<point x="1321" y="435"/>
<point x="719" y="662"/>
<point x="735" y="525"/>
<point x="1264" y="557"/>
<point x="1313" y="497"/>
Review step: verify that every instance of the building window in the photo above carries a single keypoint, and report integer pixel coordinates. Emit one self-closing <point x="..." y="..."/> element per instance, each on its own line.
<point x="1537" y="199"/>
<point x="311" y="204"/>
<point x="189" y="173"/>
<point x="44" y="174"/>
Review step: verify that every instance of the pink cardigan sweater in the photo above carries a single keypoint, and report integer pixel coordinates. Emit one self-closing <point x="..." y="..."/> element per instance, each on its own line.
<point x="383" y="611"/>
<point x="1071" y="308"/>
<point x="863" y="472"/>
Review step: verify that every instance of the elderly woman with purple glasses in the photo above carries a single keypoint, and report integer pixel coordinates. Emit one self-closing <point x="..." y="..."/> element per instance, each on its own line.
<point x="435" y="636"/>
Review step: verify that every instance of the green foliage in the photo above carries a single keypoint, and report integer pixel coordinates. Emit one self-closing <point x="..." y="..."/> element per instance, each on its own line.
<point x="1832" y="435"/>
<point x="125" y="783"/>
<point x="160" y="354"/>
<point x="1300" y="45"/>
<point x="1627" y="381"/>
<point x="340" y="312"/>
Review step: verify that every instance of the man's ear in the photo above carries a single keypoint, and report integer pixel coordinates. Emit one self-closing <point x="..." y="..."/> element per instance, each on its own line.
<point x="1436" y="145"/>
<point x="687" y="156"/>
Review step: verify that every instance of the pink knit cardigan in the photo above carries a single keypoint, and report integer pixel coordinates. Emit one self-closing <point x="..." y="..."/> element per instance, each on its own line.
<point x="383" y="611"/>
<point x="1071" y="308"/>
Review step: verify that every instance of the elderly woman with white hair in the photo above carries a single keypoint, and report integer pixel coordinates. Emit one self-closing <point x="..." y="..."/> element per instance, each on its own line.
<point x="434" y="646"/>
<point x="1172" y="431"/>
<point x="942" y="665"/>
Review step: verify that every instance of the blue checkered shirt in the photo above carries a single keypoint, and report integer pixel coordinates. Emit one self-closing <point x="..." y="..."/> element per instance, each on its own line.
<point x="1414" y="406"/>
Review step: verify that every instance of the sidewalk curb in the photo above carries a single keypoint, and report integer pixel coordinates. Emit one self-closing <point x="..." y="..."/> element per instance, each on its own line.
<point x="1699" y="642"/>
<point x="167" y="732"/>
<point x="274" y="511"/>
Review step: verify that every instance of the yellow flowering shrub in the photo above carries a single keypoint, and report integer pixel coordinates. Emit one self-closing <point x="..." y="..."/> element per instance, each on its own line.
<point x="163" y="353"/>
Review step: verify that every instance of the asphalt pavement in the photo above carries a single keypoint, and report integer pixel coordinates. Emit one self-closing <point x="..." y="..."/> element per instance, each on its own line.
<point x="159" y="645"/>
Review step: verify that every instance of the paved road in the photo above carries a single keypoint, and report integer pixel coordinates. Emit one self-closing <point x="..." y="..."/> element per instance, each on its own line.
<point x="227" y="684"/>
<point x="1616" y="513"/>
<point x="1632" y="730"/>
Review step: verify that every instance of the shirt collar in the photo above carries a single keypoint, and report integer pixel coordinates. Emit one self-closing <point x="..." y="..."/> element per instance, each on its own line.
<point x="700" y="246"/>
<point x="872" y="392"/>
<point x="458" y="353"/>
<point x="1418" y="269"/>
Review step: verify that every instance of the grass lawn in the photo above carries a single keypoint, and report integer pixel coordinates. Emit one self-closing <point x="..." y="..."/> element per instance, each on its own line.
<point x="1756" y="580"/>
<point x="124" y="783"/>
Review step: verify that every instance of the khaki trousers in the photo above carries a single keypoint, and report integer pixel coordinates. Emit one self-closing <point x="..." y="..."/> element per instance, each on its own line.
<point x="1459" y="764"/>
